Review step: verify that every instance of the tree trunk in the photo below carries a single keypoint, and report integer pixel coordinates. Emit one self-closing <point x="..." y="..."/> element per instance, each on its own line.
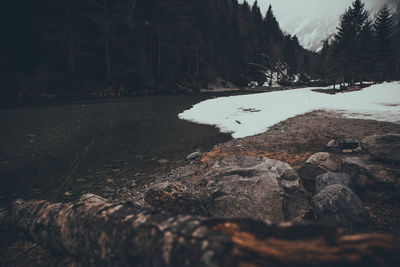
<point x="101" y="233"/>
<point x="107" y="44"/>
<point x="70" y="45"/>
<point x="198" y="58"/>
<point x="130" y="15"/>
<point x="159" y="68"/>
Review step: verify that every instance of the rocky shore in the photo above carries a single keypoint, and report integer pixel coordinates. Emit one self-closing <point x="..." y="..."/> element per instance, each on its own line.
<point x="316" y="169"/>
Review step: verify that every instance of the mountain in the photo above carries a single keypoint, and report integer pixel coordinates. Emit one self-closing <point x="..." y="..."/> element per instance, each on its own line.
<point x="312" y="32"/>
<point x="315" y="20"/>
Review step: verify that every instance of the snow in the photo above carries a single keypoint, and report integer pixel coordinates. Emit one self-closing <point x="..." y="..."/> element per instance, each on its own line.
<point x="249" y="115"/>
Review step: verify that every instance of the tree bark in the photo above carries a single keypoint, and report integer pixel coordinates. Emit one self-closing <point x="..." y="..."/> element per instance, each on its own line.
<point x="70" y="45"/>
<point x="101" y="233"/>
<point x="107" y="43"/>
<point x="130" y="15"/>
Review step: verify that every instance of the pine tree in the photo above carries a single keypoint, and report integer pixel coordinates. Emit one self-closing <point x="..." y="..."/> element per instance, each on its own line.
<point x="367" y="46"/>
<point x="348" y="42"/>
<point x="271" y="28"/>
<point x="289" y="54"/>
<point x="398" y="50"/>
<point x="384" y="38"/>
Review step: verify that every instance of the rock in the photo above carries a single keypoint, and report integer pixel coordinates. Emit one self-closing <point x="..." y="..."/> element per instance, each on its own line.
<point x="347" y="143"/>
<point x="194" y="155"/>
<point x="375" y="180"/>
<point x="259" y="188"/>
<point x="315" y="165"/>
<point x="176" y="197"/>
<point x="109" y="181"/>
<point x="68" y="194"/>
<point x="333" y="146"/>
<point x="383" y="147"/>
<point x="163" y="161"/>
<point x="339" y="205"/>
<point x="331" y="178"/>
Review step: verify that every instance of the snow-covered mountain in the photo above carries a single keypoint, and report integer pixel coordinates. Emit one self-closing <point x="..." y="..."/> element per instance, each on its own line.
<point x="315" y="20"/>
<point x="312" y="32"/>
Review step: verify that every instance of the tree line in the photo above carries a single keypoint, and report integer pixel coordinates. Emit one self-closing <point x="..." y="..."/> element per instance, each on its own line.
<point x="83" y="47"/>
<point x="79" y="48"/>
<point x="365" y="47"/>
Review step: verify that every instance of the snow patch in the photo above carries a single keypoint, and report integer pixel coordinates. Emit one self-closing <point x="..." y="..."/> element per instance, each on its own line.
<point x="233" y="114"/>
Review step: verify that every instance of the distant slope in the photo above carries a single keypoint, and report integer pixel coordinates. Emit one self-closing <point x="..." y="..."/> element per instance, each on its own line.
<point x="315" y="20"/>
<point x="311" y="32"/>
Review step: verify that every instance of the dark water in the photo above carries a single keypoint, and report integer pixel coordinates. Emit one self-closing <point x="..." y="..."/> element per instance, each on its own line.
<point x="39" y="144"/>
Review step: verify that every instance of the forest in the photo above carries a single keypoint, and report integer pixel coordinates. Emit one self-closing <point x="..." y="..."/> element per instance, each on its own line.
<point x="364" y="48"/>
<point x="81" y="48"/>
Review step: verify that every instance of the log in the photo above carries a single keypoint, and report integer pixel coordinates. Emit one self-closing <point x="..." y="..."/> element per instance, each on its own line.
<point x="98" y="232"/>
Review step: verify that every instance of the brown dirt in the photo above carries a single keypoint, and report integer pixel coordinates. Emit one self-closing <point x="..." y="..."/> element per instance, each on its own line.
<point x="308" y="133"/>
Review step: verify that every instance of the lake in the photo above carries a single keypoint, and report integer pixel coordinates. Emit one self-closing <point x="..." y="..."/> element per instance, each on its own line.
<point x="133" y="136"/>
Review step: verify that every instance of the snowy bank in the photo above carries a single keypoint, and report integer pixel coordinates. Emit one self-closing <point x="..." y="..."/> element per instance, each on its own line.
<point x="249" y="115"/>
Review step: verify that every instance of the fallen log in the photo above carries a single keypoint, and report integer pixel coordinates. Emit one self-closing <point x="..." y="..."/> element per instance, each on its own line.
<point x="101" y="233"/>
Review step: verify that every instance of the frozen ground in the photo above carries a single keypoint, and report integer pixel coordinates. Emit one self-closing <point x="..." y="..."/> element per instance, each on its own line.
<point x="249" y="115"/>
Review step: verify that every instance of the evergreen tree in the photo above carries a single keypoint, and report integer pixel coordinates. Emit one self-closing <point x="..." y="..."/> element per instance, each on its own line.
<point x="367" y="47"/>
<point x="289" y="54"/>
<point x="384" y="38"/>
<point x="271" y="26"/>
<point x="398" y="50"/>
<point x="348" y="42"/>
<point x="106" y="47"/>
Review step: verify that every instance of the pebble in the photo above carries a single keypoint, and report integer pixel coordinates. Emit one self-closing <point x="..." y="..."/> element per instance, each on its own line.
<point x="80" y="180"/>
<point x="194" y="155"/>
<point x="109" y="181"/>
<point x="67" y="194"/>
<point x="163" y="161"/>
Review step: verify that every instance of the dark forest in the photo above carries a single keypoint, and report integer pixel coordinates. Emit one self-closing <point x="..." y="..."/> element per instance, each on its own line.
<point x="63" y="49"/>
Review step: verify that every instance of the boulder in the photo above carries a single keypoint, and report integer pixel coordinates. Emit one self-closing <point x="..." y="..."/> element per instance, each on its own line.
<point x="317" y="164"/>
<point x="339" y="205"/>
<point x="375" y="180"/>
<point x="331" y="178"/>
<point x="260" y="188"/>
<point x="383" y="147"/>
<point x="177" y="198"/>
